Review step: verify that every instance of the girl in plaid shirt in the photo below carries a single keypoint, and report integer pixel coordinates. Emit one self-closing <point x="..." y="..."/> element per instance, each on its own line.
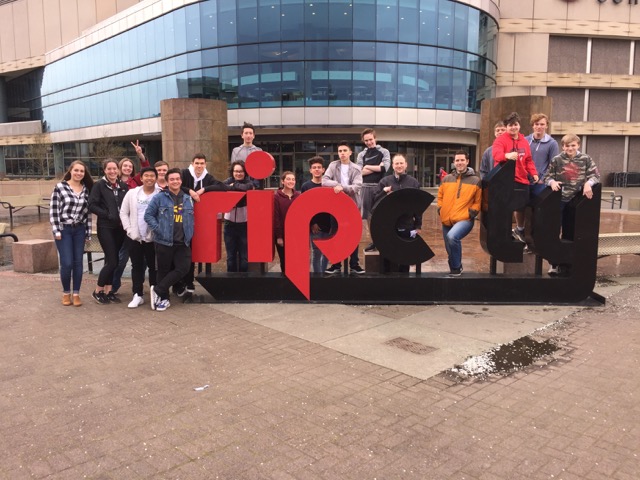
<point x="71" y="225"/>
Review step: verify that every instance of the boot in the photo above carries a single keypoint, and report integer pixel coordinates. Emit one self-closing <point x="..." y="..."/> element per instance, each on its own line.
<point x="66" y="299"/>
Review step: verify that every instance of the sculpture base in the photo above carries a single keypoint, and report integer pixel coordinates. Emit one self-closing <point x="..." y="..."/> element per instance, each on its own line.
<point x="398" y="288"/>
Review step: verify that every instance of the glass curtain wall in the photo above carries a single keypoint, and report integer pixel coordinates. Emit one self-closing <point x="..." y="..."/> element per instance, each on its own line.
<point x="279" y="53"/>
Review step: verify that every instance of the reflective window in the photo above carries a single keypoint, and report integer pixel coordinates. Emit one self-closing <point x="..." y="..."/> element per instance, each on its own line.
<point x="273" y="53"/>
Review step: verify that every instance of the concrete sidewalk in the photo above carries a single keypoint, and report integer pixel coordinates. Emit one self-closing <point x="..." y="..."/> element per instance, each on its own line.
<point x="308" y="391"/>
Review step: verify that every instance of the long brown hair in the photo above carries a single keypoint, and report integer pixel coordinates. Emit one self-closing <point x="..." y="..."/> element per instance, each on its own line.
<point x="87" y="180"/>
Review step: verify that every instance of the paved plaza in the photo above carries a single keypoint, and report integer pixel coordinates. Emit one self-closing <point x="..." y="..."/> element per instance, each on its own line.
<point x="206" y="391"/>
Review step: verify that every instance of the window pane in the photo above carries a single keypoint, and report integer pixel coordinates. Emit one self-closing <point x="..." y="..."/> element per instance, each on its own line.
<point x="247" y="21"/>
<point x="408" y="21"/>
<point x="407" y="85"/>
<point x="364" y="15"/>
<point x="316" y="19"/>
<point x="269" y="25"/>
<point x="386" y="84"/>
<point x="208" y="23"/>
<point x="363" y="84"/>
<point x="341" y="24"/>
<point x="387" y="21"/>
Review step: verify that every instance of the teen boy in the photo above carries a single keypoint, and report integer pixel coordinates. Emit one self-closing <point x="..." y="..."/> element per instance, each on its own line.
<point x="486" y="163"/>
<point x="242" y="152"/>
<point x="374" y="162"/>
<point x="170" y="216"/>
<point x="345" y="176"/>
<point x="543" y="149"/>
<point x="572" y="172"/>
<point x="512" y="146"/>
<point x="320" y="226"/>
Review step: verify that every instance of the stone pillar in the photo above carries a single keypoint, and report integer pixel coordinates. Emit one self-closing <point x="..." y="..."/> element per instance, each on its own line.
<point x="496" y="109"/>
<point x="4" y="106"/>
<point x="195" y="125"/>
<point x="3" y="164"/>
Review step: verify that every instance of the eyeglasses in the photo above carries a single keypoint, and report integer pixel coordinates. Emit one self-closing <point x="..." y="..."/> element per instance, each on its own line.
<point x="238" y="171"/>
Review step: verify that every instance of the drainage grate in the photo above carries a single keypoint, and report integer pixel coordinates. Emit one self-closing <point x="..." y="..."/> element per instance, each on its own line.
<point x="409" y="346"/>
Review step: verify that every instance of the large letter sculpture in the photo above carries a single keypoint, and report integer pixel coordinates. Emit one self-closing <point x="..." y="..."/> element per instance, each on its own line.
<point x="408" y="201"/>
<point x="577" y="248"/>
<point x="336" y="248"/>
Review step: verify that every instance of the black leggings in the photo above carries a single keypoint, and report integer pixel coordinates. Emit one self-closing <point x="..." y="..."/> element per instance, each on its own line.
<point x="111" y="240"/>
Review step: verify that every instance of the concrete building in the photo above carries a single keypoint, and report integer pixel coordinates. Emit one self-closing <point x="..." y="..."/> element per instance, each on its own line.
<point x="310" y="73"/>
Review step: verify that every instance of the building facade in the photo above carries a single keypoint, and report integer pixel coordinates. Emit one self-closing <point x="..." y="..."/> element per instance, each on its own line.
<point x="308" y="74"/>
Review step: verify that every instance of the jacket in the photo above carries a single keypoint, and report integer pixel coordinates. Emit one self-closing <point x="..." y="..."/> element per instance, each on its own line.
<point x="281" y="204"/>
<point x="374" y="156"/>
<point x="331" y="178"/>
<point x="573" y="173"/>
<point x="209" y="183"/>
<point x="524" y="164"/>
<point x="159" y="217"/>
<point x="459" y="197"/>
<point x="129" y="217"/>
<point x="238" y="214"/>
<point x="542" y="152"/>
<point x="105" y="202"/>
<point x="405" y="222"/>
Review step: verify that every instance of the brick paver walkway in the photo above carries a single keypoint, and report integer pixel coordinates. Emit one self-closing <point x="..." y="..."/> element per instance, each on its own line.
<point x="105" y="392"/>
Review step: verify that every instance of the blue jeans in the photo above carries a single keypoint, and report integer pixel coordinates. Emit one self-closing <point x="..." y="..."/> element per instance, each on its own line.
<point x="71" y="249"/>
<point x="453" y="241"/>
<point x="318" y="260"/>
<point x="235" y="242"/>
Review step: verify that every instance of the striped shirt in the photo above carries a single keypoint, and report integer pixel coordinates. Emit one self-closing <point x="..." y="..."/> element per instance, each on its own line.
<point x="69" y="208"/>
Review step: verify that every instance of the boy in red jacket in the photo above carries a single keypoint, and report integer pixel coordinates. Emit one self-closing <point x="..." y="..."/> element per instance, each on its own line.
<point x="512" y="146"/>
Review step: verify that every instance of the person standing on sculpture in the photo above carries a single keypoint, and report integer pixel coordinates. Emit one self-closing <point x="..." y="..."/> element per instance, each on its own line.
<point x="374" y="162"/>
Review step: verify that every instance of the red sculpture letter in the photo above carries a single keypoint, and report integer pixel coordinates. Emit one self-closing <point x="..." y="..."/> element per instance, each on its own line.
<point x="296" y="232"/>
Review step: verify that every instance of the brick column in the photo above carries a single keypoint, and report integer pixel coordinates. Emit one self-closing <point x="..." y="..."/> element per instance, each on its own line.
<point x="195" y="125"/>
<point x="496" y="109"/>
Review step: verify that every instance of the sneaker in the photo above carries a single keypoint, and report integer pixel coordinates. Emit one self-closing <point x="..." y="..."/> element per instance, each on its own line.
<point x="455" y="272"/>
<point x="162" y="305"/>
<point x="136" y="302"/>
<point x="358" y="270"/>
<point x="518" y="235"/>
<point x="154" y="298"/>
<point x="113" y="298"/>
<point x="180" y="290"/>
<point x="370" y="248"/>
<point x="553" y="270"/>
<point x="100" y="297"/>
<point x="190" y="288"/>
<point x="336" y="268"/>
<point x="527" y="250"/>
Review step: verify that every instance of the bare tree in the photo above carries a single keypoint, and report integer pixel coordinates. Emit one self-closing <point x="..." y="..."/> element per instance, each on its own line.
<point x="105" y="147"/>
<point x="38" y="153"/>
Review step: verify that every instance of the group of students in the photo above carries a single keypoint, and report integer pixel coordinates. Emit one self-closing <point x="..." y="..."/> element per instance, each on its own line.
<point x="539" y="165"/>
<point x="148" y="217"/>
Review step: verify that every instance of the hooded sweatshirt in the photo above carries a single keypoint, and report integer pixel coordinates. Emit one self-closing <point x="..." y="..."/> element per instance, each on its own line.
<point x="542" y="152"/>
<point x="524" y="164"/>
